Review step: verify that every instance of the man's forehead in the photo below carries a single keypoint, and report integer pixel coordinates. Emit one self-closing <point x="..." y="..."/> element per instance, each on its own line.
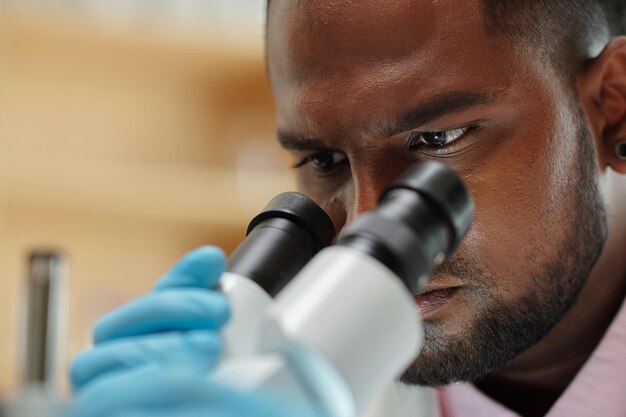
<point x="327" y="35"/>
<point x="341" y="68"/>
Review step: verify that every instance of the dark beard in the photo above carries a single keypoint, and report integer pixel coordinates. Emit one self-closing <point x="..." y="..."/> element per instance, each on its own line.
<point x="500" y="332"/>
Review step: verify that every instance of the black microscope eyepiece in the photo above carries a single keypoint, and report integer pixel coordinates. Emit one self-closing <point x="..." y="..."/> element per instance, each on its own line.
<point x="420" y="219"/>
<point x="281" y="240"/>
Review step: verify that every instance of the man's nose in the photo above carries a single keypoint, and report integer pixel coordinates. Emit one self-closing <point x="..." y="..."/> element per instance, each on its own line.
<point x="364" y="199"/>
<point x="367" y="187"/>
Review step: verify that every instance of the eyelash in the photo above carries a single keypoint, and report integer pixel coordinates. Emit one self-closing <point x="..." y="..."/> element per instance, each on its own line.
<point x="416" y="139"/>
<point x="337" y="160"/>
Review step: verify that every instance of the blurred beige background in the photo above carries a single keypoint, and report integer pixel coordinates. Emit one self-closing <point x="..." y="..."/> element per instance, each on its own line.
<point x="128" y="136"/>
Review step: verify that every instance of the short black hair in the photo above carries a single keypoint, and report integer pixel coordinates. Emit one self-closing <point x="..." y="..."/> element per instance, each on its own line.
<point x="561" y="29"/>
<point x="566" y="31"/>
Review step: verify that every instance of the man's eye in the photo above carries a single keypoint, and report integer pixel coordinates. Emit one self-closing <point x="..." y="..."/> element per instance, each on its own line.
<point x="437" y="138"/>
<point x="323" y="161"/>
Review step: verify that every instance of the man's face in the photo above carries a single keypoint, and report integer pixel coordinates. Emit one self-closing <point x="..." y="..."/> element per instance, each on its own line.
<point x="365" y="89"/>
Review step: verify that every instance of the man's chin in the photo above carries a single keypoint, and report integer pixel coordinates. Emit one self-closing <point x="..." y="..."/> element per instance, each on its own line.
<point x="457" y="351"/>
<point x="439" y="371"/>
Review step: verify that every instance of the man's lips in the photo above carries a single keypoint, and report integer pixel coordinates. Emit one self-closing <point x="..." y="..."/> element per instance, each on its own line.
<point x="429" y="300"/>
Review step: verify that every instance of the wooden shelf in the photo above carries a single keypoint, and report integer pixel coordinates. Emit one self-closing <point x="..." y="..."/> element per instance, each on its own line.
<point x="220" y="197"/>
<point x="126" y="148"/>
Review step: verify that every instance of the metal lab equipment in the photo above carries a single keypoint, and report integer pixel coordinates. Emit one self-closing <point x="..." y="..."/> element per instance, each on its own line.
<point x="43" y="338"/>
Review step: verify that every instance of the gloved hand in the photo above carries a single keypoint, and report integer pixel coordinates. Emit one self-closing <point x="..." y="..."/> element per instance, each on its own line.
<point x="175" y="391"/>
<point x="178" y="322"/>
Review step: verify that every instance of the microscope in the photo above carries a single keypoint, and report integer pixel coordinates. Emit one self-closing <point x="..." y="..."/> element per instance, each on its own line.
<point x="346" y="325"/>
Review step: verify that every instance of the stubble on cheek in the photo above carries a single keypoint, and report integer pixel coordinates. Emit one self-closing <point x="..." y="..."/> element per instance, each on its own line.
<point x="496" y="318"/>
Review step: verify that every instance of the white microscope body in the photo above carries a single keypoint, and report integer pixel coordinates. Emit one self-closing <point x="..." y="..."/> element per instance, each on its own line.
<point x="335" y="337"/>
<point x="347" y="325"/>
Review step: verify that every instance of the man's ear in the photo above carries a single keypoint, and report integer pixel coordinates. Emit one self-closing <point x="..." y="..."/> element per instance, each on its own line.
<point x="602" y="91"/>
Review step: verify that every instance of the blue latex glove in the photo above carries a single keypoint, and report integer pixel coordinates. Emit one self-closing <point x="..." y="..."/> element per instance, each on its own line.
<point x="174" y="391"/>
<point x="178" y="322"/>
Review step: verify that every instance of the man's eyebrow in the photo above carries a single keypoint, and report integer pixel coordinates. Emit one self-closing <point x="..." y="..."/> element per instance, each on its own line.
<point x="297" y="142"/>
<point x="432" y="109"/>
<point x="436" y="107"/>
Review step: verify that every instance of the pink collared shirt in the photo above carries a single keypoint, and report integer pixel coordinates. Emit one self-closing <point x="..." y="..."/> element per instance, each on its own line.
<point x="599" y="389"/>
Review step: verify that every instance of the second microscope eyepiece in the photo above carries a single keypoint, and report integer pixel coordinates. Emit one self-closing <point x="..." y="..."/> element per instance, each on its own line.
<point x="419" y="221"/>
